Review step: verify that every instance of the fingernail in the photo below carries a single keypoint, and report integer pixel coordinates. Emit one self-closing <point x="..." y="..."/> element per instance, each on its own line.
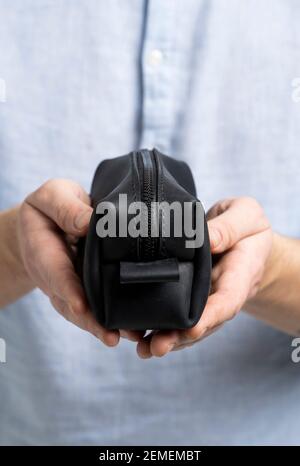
<point x="82" y="220"/>
<point x="215" y="238"/>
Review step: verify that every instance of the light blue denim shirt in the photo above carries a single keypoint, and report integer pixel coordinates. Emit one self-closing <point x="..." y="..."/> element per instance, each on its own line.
<point x="208" y="81"/>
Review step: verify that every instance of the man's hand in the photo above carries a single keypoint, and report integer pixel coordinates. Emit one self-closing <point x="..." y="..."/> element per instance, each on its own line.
<point x="50" y="221"/>
<point x="241" y="239"/>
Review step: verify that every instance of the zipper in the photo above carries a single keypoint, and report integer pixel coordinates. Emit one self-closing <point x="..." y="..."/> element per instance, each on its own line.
<point x="149" y="174"/>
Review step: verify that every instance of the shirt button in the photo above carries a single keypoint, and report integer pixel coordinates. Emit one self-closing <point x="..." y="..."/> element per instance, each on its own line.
<point x="155" y="57"/>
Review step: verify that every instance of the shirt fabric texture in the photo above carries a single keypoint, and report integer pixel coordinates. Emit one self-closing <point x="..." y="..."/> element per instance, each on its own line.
<point x="207" y="81"/>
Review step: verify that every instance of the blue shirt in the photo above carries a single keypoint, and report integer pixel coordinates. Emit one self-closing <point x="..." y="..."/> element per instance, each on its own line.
<point x="205" y="81"/>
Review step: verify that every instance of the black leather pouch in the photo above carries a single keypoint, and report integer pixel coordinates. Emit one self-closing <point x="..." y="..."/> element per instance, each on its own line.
<point x="150" y="280"/>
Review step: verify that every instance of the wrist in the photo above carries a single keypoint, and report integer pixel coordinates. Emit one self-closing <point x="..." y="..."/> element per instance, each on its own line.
<point x="274" y="264"/>
<point x="269" y="278"/>
<point x="11" y="252"/>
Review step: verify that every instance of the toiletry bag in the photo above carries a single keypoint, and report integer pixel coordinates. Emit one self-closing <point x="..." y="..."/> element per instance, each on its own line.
<point x="140" y="268"/>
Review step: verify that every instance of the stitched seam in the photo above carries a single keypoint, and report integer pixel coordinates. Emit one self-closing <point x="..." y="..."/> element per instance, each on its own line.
<point x="134" y="199"/>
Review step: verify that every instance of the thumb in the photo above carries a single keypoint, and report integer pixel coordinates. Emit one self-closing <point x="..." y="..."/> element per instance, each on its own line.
<point x="65" y="203"/>
<point x="232" y="220"/>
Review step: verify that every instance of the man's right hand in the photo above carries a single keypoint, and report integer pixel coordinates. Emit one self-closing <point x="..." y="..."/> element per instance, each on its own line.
<point x="50" y="221"/>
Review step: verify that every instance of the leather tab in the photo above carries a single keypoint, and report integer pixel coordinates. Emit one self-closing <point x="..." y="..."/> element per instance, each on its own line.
<point x="165" y="270"/>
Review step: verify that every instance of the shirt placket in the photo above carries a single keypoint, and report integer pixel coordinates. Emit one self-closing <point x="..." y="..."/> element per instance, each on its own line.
<point x="157" y="74"/>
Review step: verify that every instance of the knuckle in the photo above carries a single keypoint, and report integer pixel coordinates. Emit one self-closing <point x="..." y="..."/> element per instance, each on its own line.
<point x="77" y="188"/>
<point x="51" y="184"/>
<point x="255" y="206"/>
<point x="59" y="183"/>
<point x="251" y="201"/>
<point x="42" y="195"/>
<point x="45" y="193"/>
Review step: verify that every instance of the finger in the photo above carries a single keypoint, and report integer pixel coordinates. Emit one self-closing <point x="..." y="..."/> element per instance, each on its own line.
<point x="160" y="345"/>
<point x="249" y="256"/>
<point x="182" y="346"/>
<point x="219" y="208"/>
<point x="143" y="347"/>
<point x="164" y="342"/>
<point x="236" y="275"/>
<point x="64" y="202"/>
<point x="72" y="239"/>
<point x="49" y="262"/>
<point x="221" y="306"/>
<point x="86" y="322"/>
<point x="235" y="219"/>
<point x="206" y="334"/>
<point x="157" y="344"/>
